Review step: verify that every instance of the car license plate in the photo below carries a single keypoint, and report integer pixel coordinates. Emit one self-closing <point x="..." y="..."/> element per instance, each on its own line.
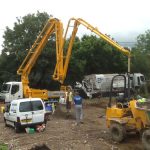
<point x="26" y="120"/>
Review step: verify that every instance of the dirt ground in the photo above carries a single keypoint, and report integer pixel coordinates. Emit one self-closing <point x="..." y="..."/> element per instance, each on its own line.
<point x="62" y="134"/>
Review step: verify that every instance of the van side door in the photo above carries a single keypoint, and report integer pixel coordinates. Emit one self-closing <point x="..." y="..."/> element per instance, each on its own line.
<point x="11" y="115"/>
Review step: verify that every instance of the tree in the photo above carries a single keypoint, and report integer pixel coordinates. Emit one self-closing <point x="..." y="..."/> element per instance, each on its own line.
<point x="18" y="40"/>
<point x="141" y="54"/>
<point x="91" y="55"/>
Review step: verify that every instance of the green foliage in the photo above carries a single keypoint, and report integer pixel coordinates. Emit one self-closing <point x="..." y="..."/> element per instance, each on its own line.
<point x="141" y="54"/>
<point x="3" y="146"/>
<point x="148" y="87"/>
<point x="93" y="55"/>
<point x="90" y="54"/>
<point x="143" y="42"/>
<point x="17" y="41"/>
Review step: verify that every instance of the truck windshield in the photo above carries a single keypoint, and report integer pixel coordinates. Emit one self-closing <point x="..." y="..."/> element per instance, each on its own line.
<point x="142" y="78"/>
<point x="5" y="88"/>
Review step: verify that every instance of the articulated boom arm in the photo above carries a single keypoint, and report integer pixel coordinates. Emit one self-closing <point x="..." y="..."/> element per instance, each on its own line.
<point x="77" y="22"/>
<point x="52" y="26"/>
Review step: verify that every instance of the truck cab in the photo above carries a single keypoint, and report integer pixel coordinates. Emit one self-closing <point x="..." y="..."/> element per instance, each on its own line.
<point x="137" y="80"/>
<point x="14" y="90"/>
<point x="11" y="91"/>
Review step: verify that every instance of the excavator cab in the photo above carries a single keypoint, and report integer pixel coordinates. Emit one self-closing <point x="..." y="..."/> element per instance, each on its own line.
<point x="121" y="94"/>
<point x="118" y="106"/>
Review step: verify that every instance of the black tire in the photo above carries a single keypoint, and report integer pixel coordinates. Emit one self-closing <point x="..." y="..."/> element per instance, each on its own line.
<point x="146" y="139"/>
<point x="17" y="128"/>
<point x="118" y="132"/>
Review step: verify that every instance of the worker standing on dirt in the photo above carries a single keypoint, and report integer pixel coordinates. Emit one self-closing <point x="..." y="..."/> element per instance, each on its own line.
<point x="78" y="108"/>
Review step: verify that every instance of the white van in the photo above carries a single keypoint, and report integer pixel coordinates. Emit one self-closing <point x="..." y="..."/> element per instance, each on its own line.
<point x="25" y="113"/>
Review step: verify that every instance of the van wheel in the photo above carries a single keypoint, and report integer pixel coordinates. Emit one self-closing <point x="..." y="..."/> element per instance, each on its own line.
<point x="118" y="132"/>
<point x="146" y="139"/>
<point x="16" y="127"/>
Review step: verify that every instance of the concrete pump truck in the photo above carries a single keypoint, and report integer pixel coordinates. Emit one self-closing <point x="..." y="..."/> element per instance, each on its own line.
<point x="17" y="90"/>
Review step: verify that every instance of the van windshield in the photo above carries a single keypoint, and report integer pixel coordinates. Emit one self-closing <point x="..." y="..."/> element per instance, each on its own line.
<point x="30" y="106"/>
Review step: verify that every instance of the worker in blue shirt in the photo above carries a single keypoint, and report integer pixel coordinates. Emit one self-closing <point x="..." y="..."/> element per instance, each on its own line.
<point x="78" y="108"/>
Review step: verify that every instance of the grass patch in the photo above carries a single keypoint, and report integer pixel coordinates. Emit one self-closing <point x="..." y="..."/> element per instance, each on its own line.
<point x="3" y="146"/>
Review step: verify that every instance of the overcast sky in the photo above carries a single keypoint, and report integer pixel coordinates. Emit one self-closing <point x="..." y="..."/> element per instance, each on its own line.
<point x="122" y="19"/>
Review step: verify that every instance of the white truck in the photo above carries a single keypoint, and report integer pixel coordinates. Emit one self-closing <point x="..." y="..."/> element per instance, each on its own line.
<point x="99" y="84"/>
<point x="14" y="90"/>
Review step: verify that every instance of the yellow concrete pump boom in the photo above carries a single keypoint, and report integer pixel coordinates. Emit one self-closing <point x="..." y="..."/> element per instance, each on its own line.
<point x="54" y="25"/>
<point x="77" y="22"/>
